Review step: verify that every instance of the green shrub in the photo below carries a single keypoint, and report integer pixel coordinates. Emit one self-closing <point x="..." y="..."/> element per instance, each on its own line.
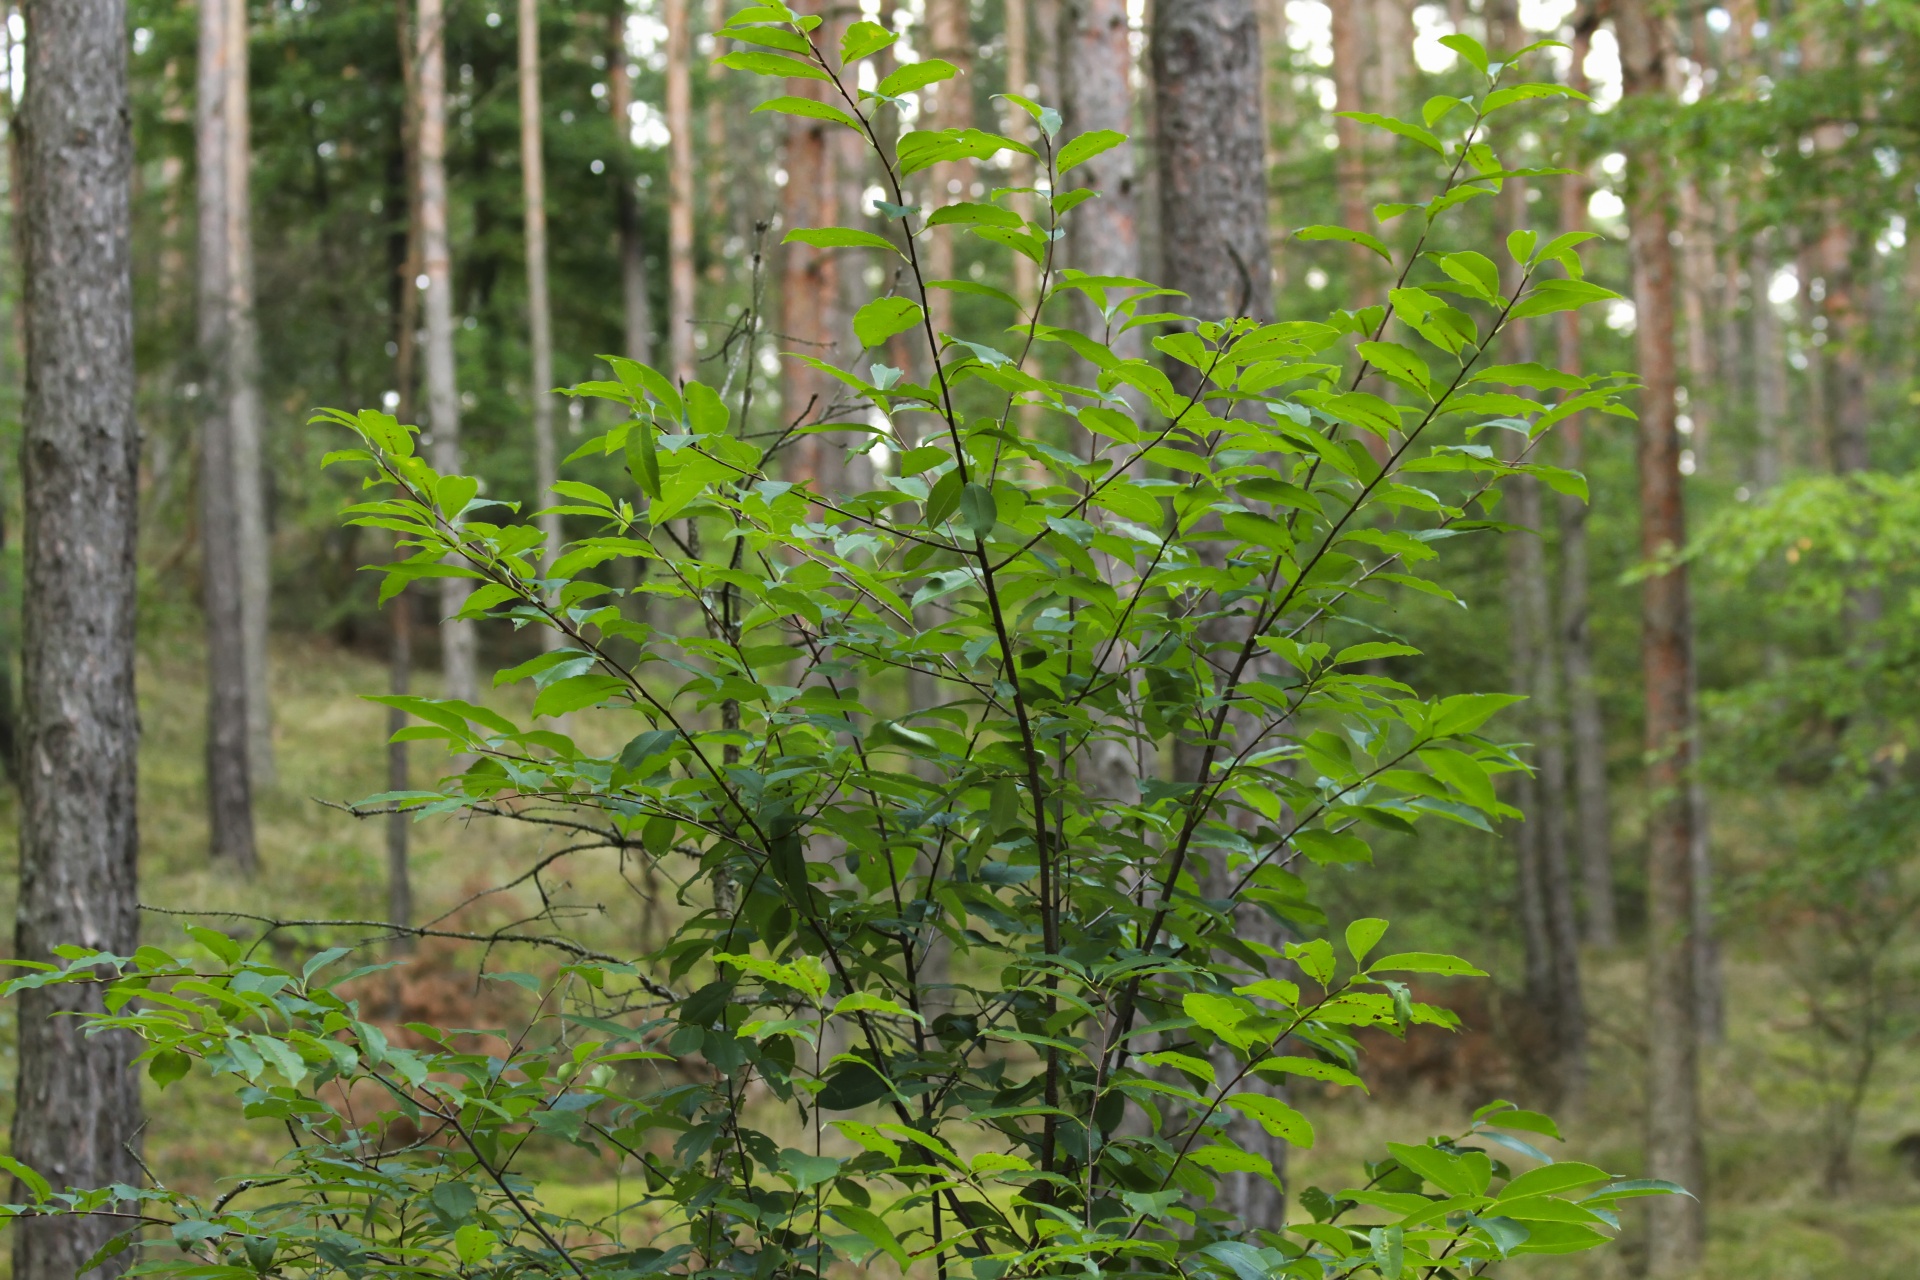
<point x="988" y="791"/>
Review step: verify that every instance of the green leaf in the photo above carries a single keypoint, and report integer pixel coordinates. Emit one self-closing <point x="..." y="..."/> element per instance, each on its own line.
<point x="1552" y="1179"/>
<point x="643" y="458"/>
<point x="978" y="509"/>
<point x="1474" y="270"/>
<point x="991" y="215"/>
<point x="38" y="1185"/>
<point x="915" y="75"/>
<point x="575" y="693"/>
<point x="808" y="1171"/>
<point x="1311" y="1069"/>
<point x="863" y="40"/>
<point x="877" y="1233"/>
<point x="1426" y="962"/>
<point x="771" y="64"/>
<point x="1275" y="1116"/>
<point x="1522" y="92"/>
<point x="811" y="108"/>
<point x="1373" y="650"/>
<point x="1345" y="234"/>
<point x="474" y="1244"/>
<point x="1400" y="364"/>
<point x="1362" y="935"/>
<point x="1221" y="1015"/>
<point x="1467" y="47"/>
<point x="1458" y="1175"/>
<point x="1401" y="127"/>
<point x="1086" y="147"/>
<point x="706" y="411"/>
<point x="1331" y="847"/>
<point x="882" y="318"/>
<point x="838" y="238"/>
<point x="1436" y="108"/>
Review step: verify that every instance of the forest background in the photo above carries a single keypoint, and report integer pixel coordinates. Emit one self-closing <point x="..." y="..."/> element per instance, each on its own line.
<point x="1791" y="132"/>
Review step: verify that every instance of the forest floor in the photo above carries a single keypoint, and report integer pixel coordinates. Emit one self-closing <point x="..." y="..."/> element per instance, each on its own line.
<point x="1764" y="1092"/>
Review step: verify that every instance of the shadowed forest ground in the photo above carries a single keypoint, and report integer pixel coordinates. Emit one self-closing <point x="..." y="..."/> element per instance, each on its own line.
<point x="1769" y="1219"/>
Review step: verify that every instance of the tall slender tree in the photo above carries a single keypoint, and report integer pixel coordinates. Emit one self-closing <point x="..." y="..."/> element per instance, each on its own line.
<point x="681" y="300"/>
<point x="1019" y="126"/>
<point x="229" y="769"/>
<point x="635" y="296"/>
<point x="1209" y="138"/>
<point x="1587" y="737"/>
<point x="459" y="641"/>
<point x="246" y="420"/>
<point x="1677" y="1224"/>
<point x="405" y="305"/>
<point x="1350" y="160"/>
<point x="533" y="195"/>
<point x="948" y="105"/>
<point x="811" y="319"/>
<point x="77" y="1115"/>
<point x="1096" y="87"/>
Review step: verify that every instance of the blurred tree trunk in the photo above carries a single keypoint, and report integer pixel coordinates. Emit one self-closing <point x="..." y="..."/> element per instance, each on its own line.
<point x="680" y="192"/>
<point x="636" y="301"/>
<point x="810" y="278"/>
<point x="1350" y="161"/>
<point x="533" y="194"/>
<point x="719" y="170"/>
<point x="1593" y="812"/>
<point x="1096" y="86"/>
<point x="1696" y="277"/>
<point x="76" y="1113"/>
<point x="1770" y="392"/>
<point x="1212" y="155"/>
<point x="1676" y="1223"/>
<point x="400" y="681"/>
<point x="229" y="769"/>
<point x="947" y="105"/>
<point x="243" y="396"/>
<point x="406" y="312"/>
<point x="1020" y="127"/>
<point x="1211" y="151"/>
<point x="1276" y="76"/>
<point x="1552" y="937"/>
<point x="459" y="640"/>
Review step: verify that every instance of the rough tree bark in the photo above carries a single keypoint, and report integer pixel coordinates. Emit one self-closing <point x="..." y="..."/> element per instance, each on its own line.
<point x="1588" y="738"/>
<point x="1206" y="83"/>
<point x="229" y="769"/>
<point x="680" y="191"/>
<point x="533" y="195"/>
<point x="246" y="419"/>
<point x="636" y="301"/>
<point x="1676" y="1236"/>
<point x="459" y="641"/>
<point x="1206" y="78"/>
<point x="77" y="1098"/>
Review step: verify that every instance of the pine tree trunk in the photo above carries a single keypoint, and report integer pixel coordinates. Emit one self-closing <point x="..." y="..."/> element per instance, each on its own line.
<point x="635" y="297"/>
<point x="1276" y="76"/>
<point x="406" y="311"/>
<point x="1588" y="736"/>
<point x="229" y="771"/>
<point x="1020" y="127"/>
<point x="77" y="1114"/>
<point x="1696" y="277"/>
<point x="809" y="277"/>
<point x="533" y="194"/>
<point x="680" y="192"/>
<point x="459" y="641"/>
<point x="243" y="396"/>
<point x="1770" y="393"/>
<point x="1213" y="188"/>
<point x="1676" y="1236"/>
<point x="1096" y="84"/>
<point x="1350" y="161"/>
<point x="948" y="105"/>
